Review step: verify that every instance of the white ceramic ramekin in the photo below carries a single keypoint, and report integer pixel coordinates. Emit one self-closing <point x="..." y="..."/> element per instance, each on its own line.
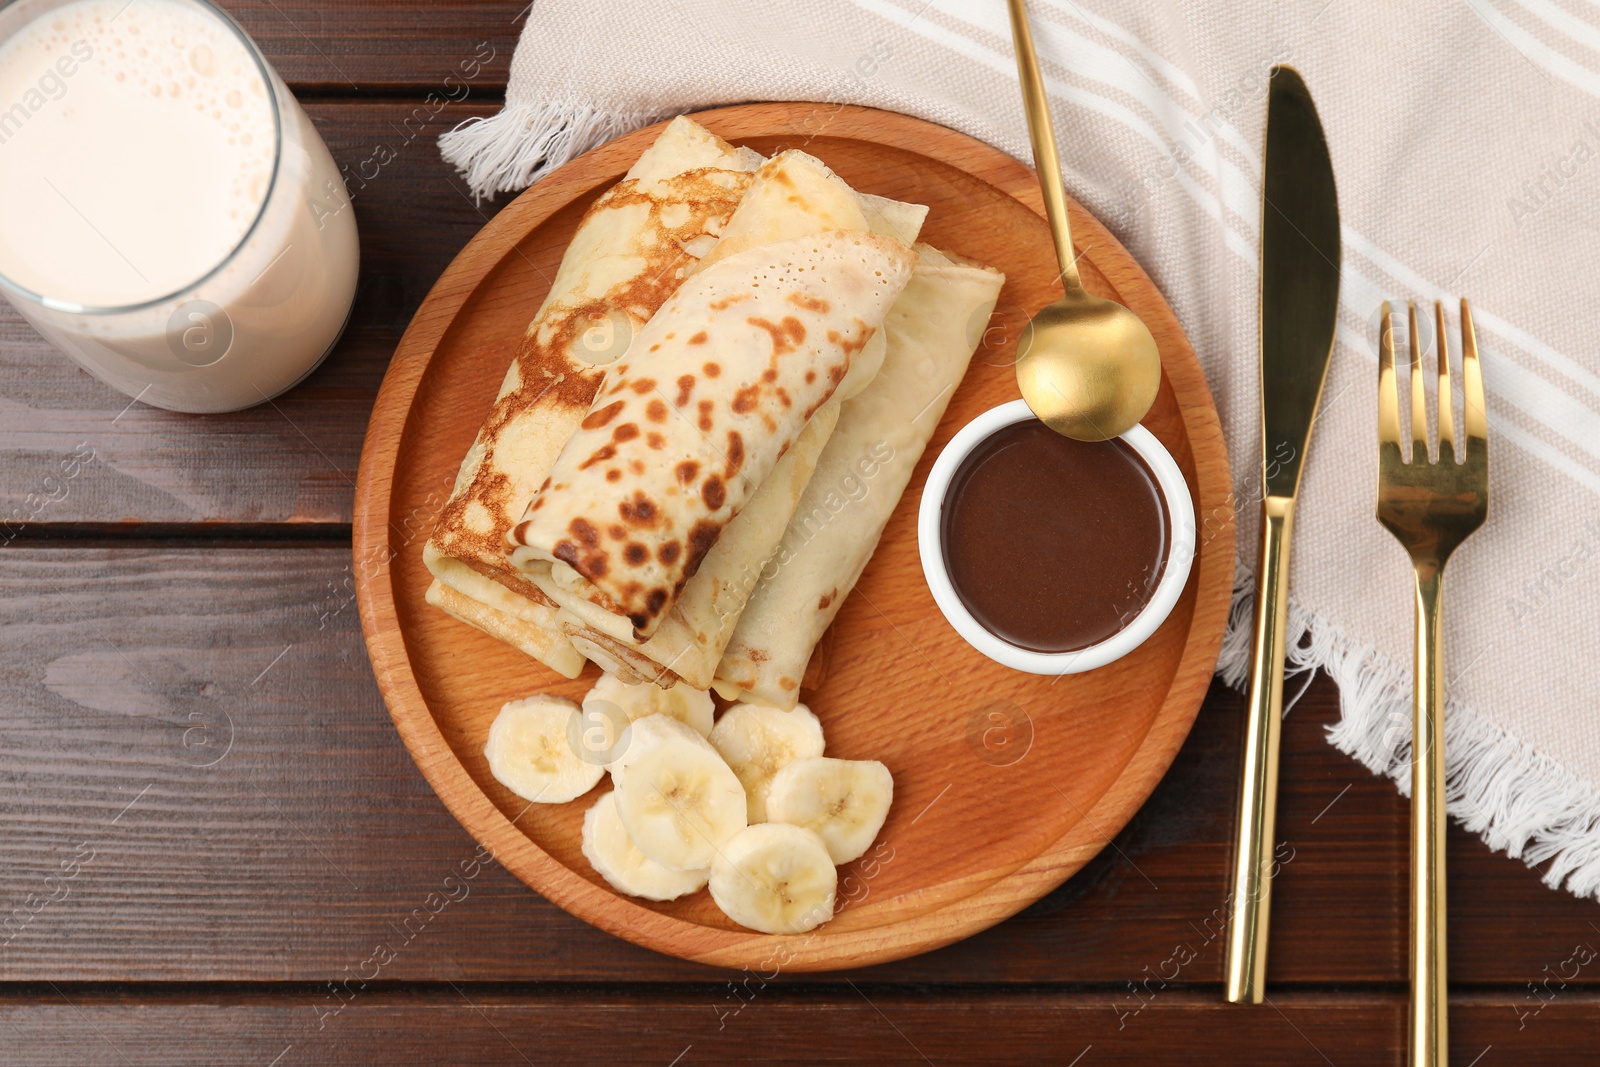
<point x="1180" y="551"/>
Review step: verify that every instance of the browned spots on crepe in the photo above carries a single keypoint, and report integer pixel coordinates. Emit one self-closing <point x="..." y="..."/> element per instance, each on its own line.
<point x="711" y="370"/>
<point x="854" y="343"/>
<point x="553" y="379"/>
<point x="726" y="302"/>
<point x="735" y="453"/>
<point x="669" y="552"/>
<point x="700" y="338"/>
<point x="656" y="411"/>
<point x="807" y="302"/>
<point x="655" y="441"/>
<point x="786" y="682"/>
<point x="745" y="400"/>
<point x="703" y="535"/>
<point x="642" y="385"/>
<point x="591" y="566"/>
<point x="635" y="553"/>
<point x="626" y="432"/>
<point x="826" y="599"/>
<point x="714" y="493"/>
<point x="617" y="531"/>
<point x="585" y="532"/>
<point x="685" y="388"/>
<point x="612" y="475"/>
<point x="639" y="511"/>
<point x="600" y="455"/>
<point x="705" y="422"/>
<point x="787" y="333"/>
<point x="811" y="376"/>
<point x="598" y="418"/>
<point x="687" y="470"/>
<point x="566" y="552"/>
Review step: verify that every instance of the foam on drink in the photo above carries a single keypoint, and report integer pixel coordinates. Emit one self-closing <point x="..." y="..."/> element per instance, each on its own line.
<point x="136" y="145"/>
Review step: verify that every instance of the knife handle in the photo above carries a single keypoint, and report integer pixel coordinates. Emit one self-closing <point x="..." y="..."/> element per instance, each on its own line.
<point x="1250" y="901"/>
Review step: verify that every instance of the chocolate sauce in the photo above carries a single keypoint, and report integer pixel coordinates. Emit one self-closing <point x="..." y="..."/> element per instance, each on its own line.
<point x="1053" y="544"/>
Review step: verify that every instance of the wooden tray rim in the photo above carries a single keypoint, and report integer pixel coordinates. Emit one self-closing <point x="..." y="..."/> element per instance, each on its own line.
<point x="997" y="894"/>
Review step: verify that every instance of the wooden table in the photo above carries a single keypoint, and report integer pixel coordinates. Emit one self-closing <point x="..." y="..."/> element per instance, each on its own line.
<point x="216" y="850"/>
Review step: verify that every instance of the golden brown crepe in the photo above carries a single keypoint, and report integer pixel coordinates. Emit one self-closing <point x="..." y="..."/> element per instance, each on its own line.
<point x="629" y="254"/>
<point x="713" y="392"/>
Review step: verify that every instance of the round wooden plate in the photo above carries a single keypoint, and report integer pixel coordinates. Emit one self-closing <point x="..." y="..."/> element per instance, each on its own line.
<point x="1005" y="783"/>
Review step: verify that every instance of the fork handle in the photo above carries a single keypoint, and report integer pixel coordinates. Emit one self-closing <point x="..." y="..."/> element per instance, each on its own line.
<point x="1428" y="1029"/>
<point x="1250" y="902"/>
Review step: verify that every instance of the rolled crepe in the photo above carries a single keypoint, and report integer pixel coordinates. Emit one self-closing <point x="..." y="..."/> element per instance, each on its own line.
<point x="690" y="640"/>
<point x="629" y="253"/>
<point x="712" y="393"/>
<point x="931" y="332"/>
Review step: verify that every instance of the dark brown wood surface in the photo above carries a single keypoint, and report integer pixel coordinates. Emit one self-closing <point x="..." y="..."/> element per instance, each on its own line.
<point x="214" y="849"/>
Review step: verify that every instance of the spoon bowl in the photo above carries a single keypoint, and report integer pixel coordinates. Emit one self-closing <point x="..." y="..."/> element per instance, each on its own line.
<point x="1088" y="367"/>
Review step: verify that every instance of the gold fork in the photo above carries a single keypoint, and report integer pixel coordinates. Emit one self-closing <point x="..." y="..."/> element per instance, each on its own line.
<point x="1431" y="507"/>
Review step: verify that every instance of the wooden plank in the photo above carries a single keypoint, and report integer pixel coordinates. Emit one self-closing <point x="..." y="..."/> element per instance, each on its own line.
<point x="141" y="845"/>
<point x="467" y="1025"/>
<point x="73" y="450"/>
<point x="370" y="46"/>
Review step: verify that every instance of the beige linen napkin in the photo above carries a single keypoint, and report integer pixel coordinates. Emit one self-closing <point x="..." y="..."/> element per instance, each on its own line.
<point x="1466" y="144"/>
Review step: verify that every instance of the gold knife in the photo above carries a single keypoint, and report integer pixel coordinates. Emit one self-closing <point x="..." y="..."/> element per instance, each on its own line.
<point x="1299" y="308"/>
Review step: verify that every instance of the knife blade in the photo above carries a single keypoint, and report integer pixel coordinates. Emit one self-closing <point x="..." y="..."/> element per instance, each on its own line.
<point x="1300" y="253"/>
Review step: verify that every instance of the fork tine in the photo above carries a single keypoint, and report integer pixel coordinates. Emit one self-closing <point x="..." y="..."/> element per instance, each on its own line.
<point x="1419" y="395"/>
<point x="1388" y="386"/>
<point x="1447" y="422"/>
<point x="1474" y="413"/>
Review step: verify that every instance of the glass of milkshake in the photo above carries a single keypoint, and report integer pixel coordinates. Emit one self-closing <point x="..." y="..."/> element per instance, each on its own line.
<point x="169" y="217"/>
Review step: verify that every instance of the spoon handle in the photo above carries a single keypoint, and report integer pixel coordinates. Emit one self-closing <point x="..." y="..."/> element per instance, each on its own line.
<point x="1045" y="158"/>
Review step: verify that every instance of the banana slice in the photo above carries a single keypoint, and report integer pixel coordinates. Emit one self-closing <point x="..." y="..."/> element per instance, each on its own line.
<point x="612" y="852"/>
<point x="775" y="878"/>
<point x="844" y="801"/>
<point x="530" y="754"/>
<point x="684" y="703"/>
<point x="758" y="741"/>
<point x="677" y="798"/>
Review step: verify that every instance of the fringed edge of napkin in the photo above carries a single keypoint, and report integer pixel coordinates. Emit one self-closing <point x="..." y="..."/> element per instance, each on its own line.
<point x="1495" y="785"/>
<point x="509" y="151"/>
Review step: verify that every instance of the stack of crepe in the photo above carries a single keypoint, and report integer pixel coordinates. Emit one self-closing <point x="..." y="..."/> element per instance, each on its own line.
<point x="674" y="515"/>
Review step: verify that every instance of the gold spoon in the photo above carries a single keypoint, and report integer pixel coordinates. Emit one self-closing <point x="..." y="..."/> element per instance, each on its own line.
<point x="1087" y="367"/>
